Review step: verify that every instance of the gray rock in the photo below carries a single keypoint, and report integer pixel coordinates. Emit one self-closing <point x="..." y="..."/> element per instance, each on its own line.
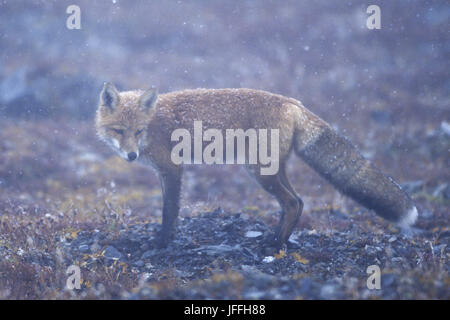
<point x="112" y="253"/>
<point x="253" y="234"/>
<point x="84" y="248"/>
<point x="392" y="239"/>
<point x="218" y="249"/>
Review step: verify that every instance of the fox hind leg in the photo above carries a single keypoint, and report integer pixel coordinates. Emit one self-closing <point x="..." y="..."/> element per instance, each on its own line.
<point x="287" y="185"/>
<point x="291" y="205"/>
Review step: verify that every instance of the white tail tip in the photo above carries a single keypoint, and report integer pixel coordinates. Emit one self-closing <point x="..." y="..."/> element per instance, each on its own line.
<point x="409" y="219"/>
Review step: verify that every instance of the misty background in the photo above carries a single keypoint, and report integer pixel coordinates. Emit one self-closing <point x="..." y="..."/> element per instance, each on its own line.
<point x="320" y="52"/>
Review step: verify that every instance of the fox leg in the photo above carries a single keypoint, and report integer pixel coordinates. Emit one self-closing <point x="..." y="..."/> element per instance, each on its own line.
<point x="171" y="187"/>
<point x="287" y="185"/>
<point x="291" y="206"/>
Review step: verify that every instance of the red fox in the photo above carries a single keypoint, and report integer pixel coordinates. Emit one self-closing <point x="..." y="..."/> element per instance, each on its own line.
<point x="139" y="125"/>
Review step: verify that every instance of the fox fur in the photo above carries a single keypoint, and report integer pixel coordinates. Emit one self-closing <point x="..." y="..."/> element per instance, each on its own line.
<point x="138" y="125"/>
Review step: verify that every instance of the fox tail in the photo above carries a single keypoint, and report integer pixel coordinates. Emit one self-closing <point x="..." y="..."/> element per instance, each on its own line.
<point x="338" y="160"/>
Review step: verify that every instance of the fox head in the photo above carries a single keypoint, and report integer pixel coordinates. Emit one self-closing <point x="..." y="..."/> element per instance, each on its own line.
<point x="122" y="119"/>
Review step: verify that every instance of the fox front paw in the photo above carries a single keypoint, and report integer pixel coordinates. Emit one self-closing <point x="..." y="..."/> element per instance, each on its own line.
<point x="163" y="239"/>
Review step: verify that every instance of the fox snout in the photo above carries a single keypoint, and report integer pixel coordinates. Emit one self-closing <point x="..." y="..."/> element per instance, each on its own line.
<point x="132" y="156"/>
<point x="130" y="151"/>
<point x="129" y="155"/>
<point x="123" y="151"/>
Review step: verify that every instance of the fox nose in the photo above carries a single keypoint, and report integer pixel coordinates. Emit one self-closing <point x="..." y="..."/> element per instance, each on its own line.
<point x="132" y="156"/>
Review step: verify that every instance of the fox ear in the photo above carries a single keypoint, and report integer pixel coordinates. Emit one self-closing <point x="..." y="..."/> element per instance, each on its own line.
<point x="148" y="98"/>
<point x="109" y="96"/>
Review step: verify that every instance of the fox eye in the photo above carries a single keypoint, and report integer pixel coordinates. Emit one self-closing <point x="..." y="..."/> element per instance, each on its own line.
<point x="139" y="132"/>
<point x="118" y="131"/>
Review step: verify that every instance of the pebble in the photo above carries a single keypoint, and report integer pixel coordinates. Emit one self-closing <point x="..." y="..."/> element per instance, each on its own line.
<point x="218" y="249"/>
<point x="112" y="253"/>
<point x="253" y="234"/>
<point x="83" y="248"/>
<point x="268" y="259"/>
<point x="392" y="239"/>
